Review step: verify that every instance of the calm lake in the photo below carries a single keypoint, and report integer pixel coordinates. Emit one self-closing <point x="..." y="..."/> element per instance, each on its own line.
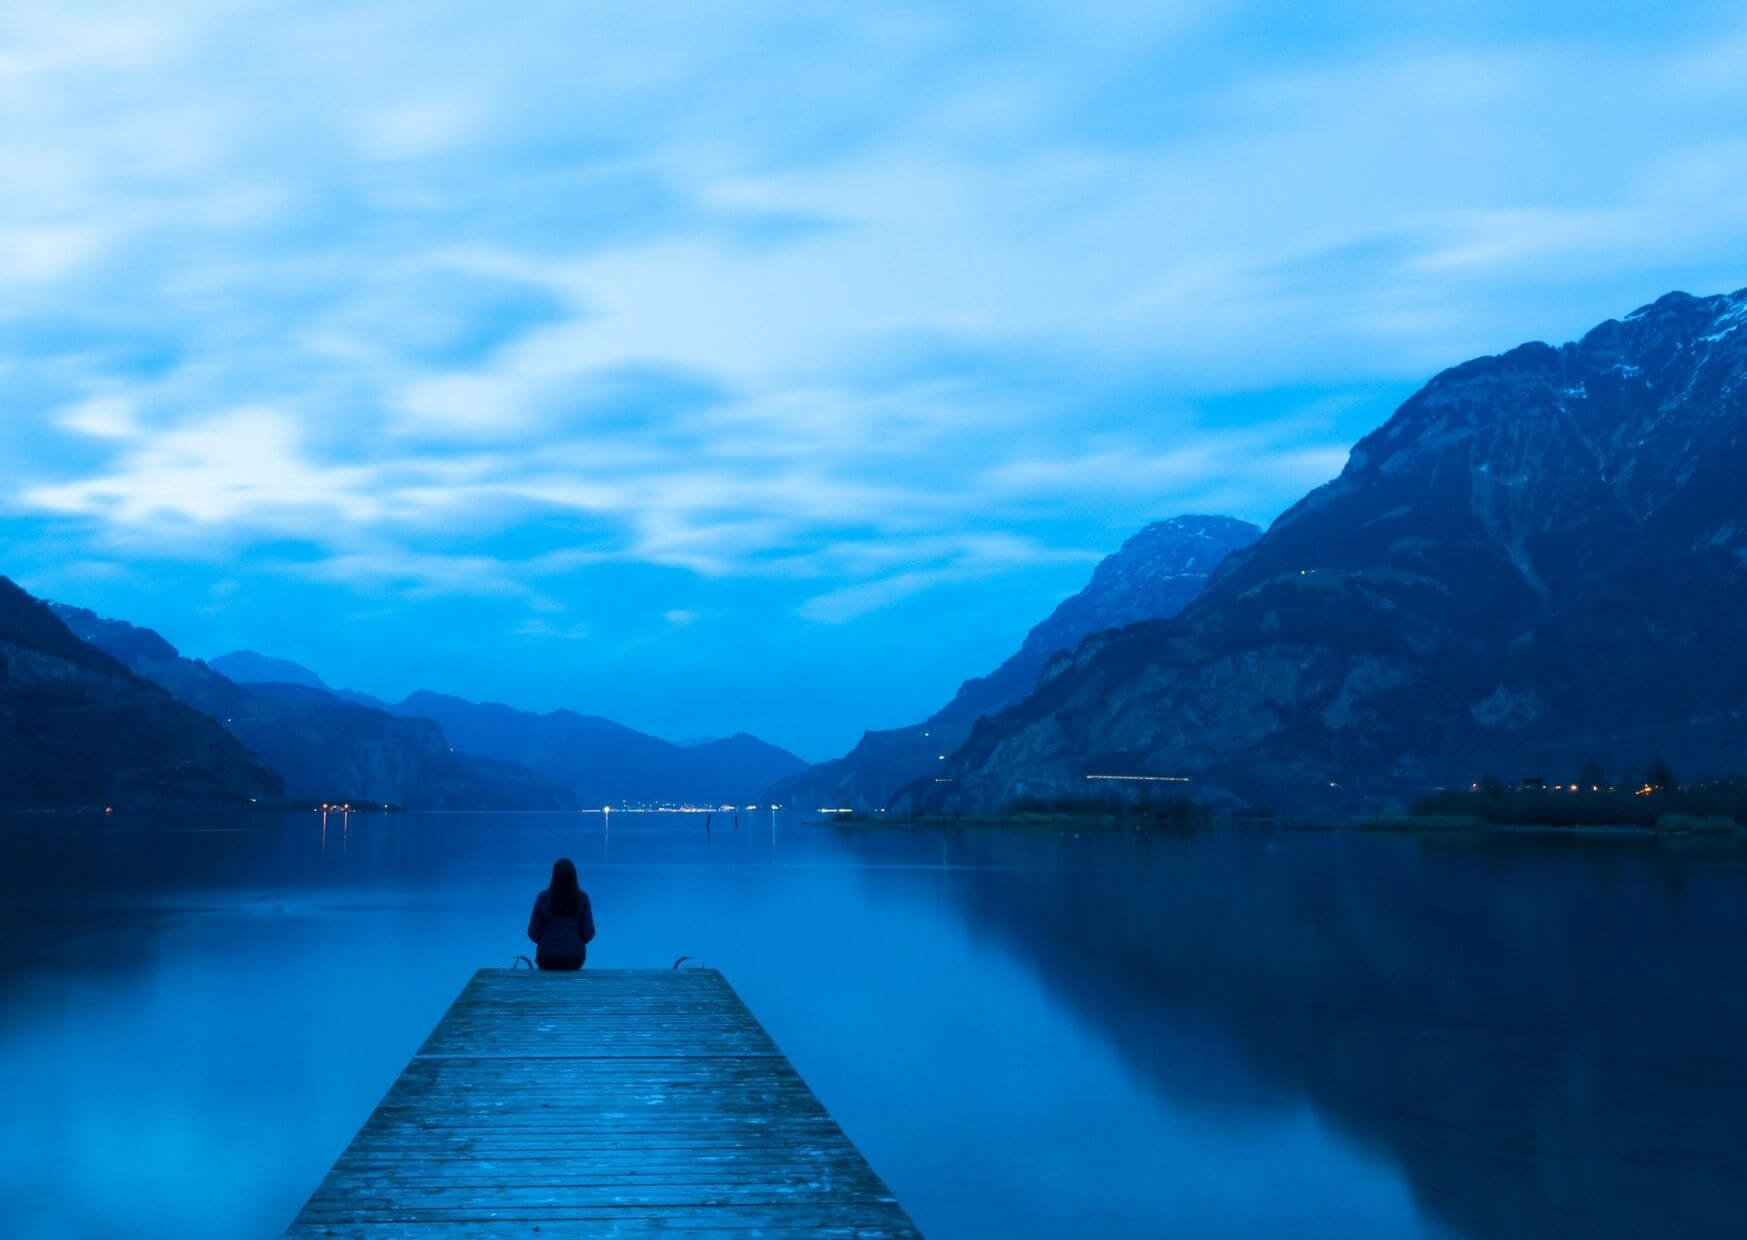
<point x="1027" y="1032"/>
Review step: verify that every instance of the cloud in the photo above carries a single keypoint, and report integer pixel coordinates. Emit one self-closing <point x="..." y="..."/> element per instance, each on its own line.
<point x="418" y="575"/>
<point x="777" y="296"/>
<point x="1258" y="460"/>
<point x="851" y="602"/>
<point x="970" y="559"/>
<point x="535" y="627"/>
<point x="38" y="254"/>
<point x="243" y="468"/>
<point x="102" y="417"/>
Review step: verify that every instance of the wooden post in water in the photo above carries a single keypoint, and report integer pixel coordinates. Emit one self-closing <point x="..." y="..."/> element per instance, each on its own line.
<point x="614" y="1102"/>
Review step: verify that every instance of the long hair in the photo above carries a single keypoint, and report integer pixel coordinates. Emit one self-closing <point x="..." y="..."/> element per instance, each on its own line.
<point x="566" y="897"/>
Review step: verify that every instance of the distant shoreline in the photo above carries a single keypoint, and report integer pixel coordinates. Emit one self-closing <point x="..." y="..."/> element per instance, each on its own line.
<point x="1716" y="827"/>
<point x="1038" y="818"/>
<point x="1671" y="826"/>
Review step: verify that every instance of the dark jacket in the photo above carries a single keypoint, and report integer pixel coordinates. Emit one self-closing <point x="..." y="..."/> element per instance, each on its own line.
<point x="561" y="941"/>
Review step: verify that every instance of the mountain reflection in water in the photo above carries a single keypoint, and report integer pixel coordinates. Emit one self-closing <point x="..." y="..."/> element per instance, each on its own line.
<point x="1545" y="1034"/>
<point x="1028" y="1032"/>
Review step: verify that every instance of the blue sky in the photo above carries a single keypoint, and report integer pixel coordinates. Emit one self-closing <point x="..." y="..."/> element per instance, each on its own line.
<point x="773" y="366"/>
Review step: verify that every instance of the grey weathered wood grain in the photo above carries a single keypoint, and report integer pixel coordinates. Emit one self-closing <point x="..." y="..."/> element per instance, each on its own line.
<point x="610" y="1102"/>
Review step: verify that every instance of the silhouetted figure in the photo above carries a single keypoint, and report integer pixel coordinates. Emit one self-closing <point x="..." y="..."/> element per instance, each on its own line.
<point x="563" y="923"/>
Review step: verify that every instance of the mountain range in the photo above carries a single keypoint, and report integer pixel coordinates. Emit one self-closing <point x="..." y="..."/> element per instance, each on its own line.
<point x="1156" y="573"/>
<point x="1537" y="564"/>
<point x="603" y="762"/>
<point x="430" y="751"/>
<point x="322" y="747"/>
<point x="1539" y="561"/>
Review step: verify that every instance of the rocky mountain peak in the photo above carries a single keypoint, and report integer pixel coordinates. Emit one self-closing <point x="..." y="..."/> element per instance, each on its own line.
<point x="1504" y="575"/>
<point x="1179" y="547"/>
<point x="1155" y="573"/>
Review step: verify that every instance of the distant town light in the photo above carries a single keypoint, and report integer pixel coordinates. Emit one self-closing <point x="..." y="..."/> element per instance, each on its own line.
<point x="1146" y="779"/>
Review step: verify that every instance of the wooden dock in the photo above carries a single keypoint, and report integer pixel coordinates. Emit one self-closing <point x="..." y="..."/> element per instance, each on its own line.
<point x="619" y="1102"/>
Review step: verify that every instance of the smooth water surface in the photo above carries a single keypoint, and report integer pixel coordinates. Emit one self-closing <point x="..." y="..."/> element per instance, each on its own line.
<point x="1028" y="1032"/>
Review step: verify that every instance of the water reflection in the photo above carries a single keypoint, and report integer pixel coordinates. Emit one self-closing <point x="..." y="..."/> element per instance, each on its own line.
<point x="1546" y="1035"/>
<point x="1029" y="1033"/>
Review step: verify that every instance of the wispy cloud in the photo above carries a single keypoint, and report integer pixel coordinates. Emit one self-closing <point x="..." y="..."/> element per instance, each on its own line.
<point x="767" y="301"/>
<point x="973" y="559"/>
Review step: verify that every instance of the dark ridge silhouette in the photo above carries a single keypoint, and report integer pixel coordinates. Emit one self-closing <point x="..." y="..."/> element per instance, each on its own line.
<point x="1541" y="558"/>
<point x="1156" y="573"/>
<point x="323" y="748"/>
<point x="79" y="730"/>
<point x="606" y="763"/>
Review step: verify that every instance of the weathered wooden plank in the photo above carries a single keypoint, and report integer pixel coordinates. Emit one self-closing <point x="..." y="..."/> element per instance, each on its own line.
<point x="564" y="1203"/>
<point x="526" y="1230"/>
<point x="747" y="1174"/>
<point x="677" y="1215"/>
<point x="603" y="1102"/>
<point x="464" y="1175"/>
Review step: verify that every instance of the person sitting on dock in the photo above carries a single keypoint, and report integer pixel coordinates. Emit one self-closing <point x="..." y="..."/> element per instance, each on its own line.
<point x="563" y="923"/>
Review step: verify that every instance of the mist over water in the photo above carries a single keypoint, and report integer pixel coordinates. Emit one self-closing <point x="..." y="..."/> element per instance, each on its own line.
<point x="1028" y="1033"/>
